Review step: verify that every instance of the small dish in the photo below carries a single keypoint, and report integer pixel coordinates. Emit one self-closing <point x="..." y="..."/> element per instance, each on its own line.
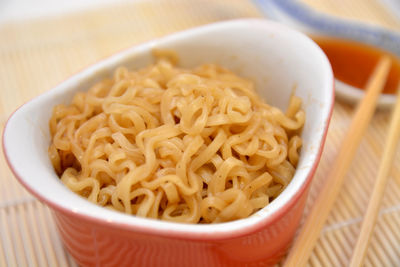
<point x="302" y="17"/>
<point x="277" y="59"/>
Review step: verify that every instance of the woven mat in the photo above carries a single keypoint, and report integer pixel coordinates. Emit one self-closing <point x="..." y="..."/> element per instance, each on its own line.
<point x="36" y="55"/>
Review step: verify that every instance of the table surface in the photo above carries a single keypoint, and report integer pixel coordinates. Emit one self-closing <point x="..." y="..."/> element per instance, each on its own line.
<point x="36" y="54"/>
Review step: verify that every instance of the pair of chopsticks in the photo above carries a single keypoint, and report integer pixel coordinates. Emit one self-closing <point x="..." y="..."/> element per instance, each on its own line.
<point x="314" y="222"/>
<point x="379" y="187"/>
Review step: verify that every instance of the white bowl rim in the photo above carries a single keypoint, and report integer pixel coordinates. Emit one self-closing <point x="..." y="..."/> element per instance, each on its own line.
<point x="179" y="230"/>
<point x="353" y="95"/>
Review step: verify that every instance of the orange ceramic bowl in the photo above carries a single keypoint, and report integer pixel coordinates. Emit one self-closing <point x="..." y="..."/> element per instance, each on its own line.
<point x="277" y="59"/>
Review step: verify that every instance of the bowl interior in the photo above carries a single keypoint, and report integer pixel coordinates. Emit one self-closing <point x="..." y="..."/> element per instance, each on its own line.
<point x="279" y="60"/>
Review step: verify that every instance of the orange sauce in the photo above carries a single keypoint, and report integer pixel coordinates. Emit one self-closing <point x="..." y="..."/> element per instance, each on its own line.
<point x="353" y="62"/>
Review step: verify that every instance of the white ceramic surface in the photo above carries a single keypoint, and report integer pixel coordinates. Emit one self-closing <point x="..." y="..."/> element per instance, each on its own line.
<point x="258" y="49"/>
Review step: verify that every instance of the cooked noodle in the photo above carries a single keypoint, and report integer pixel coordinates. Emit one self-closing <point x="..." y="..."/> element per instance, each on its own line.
<point x="193" y="146"/>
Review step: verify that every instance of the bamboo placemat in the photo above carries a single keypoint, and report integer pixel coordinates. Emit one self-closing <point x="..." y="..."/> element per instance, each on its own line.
<point x="36" y="55"/>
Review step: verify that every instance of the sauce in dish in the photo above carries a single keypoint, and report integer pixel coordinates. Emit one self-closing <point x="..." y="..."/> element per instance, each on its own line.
<point x="353" y="62"/>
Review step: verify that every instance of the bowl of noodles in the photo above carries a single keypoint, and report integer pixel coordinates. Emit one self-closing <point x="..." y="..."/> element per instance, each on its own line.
<point x="190" y="150"/>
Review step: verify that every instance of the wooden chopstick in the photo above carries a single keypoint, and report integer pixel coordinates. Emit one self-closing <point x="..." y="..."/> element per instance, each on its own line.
<point x="314" y="222"/>
<point x="379" y="187"/>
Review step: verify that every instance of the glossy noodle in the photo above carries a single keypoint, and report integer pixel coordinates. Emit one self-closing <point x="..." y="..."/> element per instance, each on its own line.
<point x="192" y="146"/>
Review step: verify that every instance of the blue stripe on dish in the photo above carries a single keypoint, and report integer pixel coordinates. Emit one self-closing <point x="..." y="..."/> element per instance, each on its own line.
<point x="332" y="26"/>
